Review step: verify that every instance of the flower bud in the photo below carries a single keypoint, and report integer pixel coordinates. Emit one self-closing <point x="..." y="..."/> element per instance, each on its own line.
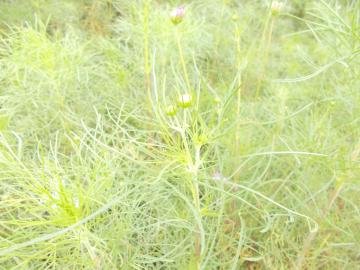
<point x="235" y="18"/>
<point x="185" y="101"/>
<point x="177" y="15"/>
<point x="276" y="7"/>
<point x="217" y="100"/>
<point x="171" y="110"/>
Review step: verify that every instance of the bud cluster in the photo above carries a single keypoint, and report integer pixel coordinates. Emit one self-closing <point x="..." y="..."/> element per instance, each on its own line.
<point x="184" y="101"/>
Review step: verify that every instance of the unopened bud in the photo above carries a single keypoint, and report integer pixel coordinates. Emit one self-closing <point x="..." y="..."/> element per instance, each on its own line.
<point x="276" y="7"/>
<point x="171" y="110"/>
<point x="177" y="15"/>
<point x="185" y="101"/>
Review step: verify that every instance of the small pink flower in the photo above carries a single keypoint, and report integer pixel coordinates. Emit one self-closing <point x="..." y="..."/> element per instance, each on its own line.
<point x="217" y="176"/>
<point x="177" y="15"/>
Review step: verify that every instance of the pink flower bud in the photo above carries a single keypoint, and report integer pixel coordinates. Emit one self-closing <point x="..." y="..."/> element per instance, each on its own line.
<point x="177" y="15"/>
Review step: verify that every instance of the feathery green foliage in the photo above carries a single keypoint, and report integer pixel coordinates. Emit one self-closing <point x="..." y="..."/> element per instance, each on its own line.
<point x="230" y="140"/>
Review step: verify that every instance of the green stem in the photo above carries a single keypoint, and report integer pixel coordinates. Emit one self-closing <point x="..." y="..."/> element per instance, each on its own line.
<point x="182" y="59"/>
<point x="146" y="55"/>
<point x="238" y="104"/>
<point x="266" y="53"/>
<point x="197" y="204"/>
<point x="194" y="165"/>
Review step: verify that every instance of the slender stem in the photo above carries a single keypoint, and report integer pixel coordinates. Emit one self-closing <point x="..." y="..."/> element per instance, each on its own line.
<point x="238" y="50"/>
<point x="266" y="53"/>
<point x="182" y="59"/>
<point x="197" y="204"/>
<point x="194" y="166"/>
<point x="268" y="44"/>
<point x="219" y="26"/>
<point x="183" y="137"/>
<point x="146" y="55"/>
